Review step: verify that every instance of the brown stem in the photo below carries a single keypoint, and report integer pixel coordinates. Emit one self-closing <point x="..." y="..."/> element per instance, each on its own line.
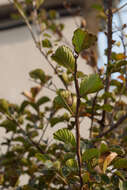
<point x="77" y="123"/>
<point x="92" y="116"/>
<point x="118" y="9"/>
<point x="114" y="126"/>
<point x="107" y="82"/>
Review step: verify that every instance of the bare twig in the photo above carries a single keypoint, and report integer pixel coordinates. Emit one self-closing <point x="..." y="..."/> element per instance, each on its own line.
<point x="109" y="51"/>
<point x="118" y="9"/>
<point x="77" y="123"/>
<point x="114" y="126"/>
<point x="11" y="118"/>
<point x="43" y="132"/>
<point x="92" y="117"/>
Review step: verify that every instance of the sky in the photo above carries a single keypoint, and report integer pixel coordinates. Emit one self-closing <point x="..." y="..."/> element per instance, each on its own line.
<point x="102" y="41"/>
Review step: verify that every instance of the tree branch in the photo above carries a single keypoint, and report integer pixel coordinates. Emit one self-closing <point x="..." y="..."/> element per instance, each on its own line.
<point x="93" y="111"/>
<point x="118" y="9"/>
<point x="77" y="123"/>
<point x="107" y="82"/>
<point x="114" y="126"/>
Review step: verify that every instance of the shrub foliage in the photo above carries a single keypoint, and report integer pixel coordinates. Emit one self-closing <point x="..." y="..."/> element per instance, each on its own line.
<point x="69" y="161"/>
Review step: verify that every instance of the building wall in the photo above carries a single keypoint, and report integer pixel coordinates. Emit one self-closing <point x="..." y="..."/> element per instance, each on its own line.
<point x="18" y="56"/>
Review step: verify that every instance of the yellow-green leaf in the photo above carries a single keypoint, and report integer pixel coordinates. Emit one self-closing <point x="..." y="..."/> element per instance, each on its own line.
<point x="39" y="3"/>
<point x="64" y="56"/>
<point x="65" y="136"/>
<point x="82" y="40"/>
<point x="90" y="84"/>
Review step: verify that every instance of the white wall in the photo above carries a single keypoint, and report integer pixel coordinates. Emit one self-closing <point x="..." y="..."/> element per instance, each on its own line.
<point x="2" y="2"/>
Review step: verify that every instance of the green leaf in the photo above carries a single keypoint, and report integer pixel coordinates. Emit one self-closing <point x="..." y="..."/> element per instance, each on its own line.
<point x="52" y="14"/>
<point x="119" y="150"/>
<point x="80" y="74"/>
<point x="9" y="125"/>
<point x="121" y="163"/>
<point x="116" y="83"/>
<point x="20" y="139"/>
<point x="47" y="35"/>
<point x="57" y="165"/>
<point x="39" y="3"/>
<point x="42" y="157"/>
<point x="72" y="164"/>
<point x="42" y="100"/>
<point x="64" y="56"/>
<point x="120" y="175"/>
<point x="62" y="100"/>
<point x="98" y="7"/>
<point x="105" y="178"/>
<point x="28" y="1"/>
<point x="103" y="148"/>
<point x="117" y="66"/>
<point x="65" y="171"/>
<point x="90" y="84"/>
<point x="33" y="134"/>
<point x="4" y="106"/>
<point x="38" y="74"/>
<point x="78" y="40"/>
<point x="107" y="107"/>
<point x="46" y="43"/>
<point x="27" y="103"/>
<point x="82" y="40"/>
<point x="86" y="177"/>
<point x="65" y="136"/>
<point x="59" y="119"/>
<point x="59" y="103"/>
<point x="90" y="154"/>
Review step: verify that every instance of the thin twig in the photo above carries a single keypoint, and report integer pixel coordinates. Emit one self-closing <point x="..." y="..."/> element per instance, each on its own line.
<point x="43" y="132"/>
<point x="118" y="9"/>
<point x="92" y="117"/>
<point x="114" y="126"/>
<point x="77" y="123"/>
<point x="36" y="42"/>
<point x="11" y="118"/>
<point x="107" y="82"/>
